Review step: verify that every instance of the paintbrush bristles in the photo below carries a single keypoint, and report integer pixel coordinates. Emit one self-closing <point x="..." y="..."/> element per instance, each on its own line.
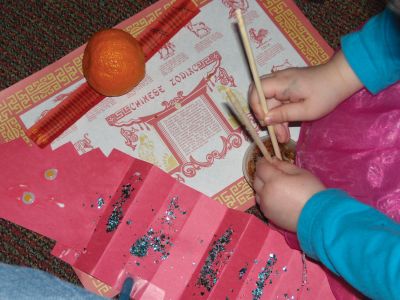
<point x="243" y="118"/>
<point x="256" y="78"/>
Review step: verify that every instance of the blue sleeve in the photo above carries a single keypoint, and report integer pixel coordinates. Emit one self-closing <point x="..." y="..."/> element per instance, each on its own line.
<point x="374" y="52"/>
<point x="353" y="240"/>
<point x="25" y="283"/>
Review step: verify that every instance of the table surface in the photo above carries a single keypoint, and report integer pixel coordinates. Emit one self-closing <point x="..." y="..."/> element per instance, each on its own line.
<point x="42" y="32"/>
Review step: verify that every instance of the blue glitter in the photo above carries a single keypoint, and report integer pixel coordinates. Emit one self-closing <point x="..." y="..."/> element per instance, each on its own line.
<point x="156" y="241"/>
<point x="208" y="274"/>
<point x="242" y="272"/>
<point x="141" y="247"/>
<point x="117" y="214"/>
<point x="263" y="276"/>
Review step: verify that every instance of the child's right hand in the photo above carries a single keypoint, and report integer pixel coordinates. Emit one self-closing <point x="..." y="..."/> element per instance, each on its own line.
<point x="303" y="94"/>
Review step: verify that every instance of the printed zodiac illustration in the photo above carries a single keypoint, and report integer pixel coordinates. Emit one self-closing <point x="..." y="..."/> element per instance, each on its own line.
<point x="218" y="74"/>
<point x="258" y="37"/>
<point x="146" y="150"/>
<point x="233" y="5"/>
<point x="130" y="137"/>
<point x="84" y="145"/>
<point x="286" y="64"/>
<point x="57" y="99"/>
<point x="167" y="51"/>
<point x="200" y="29"/>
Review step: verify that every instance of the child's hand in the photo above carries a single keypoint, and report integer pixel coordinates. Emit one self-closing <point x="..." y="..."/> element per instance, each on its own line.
<point x="303" y="94"/>
<point x="282" y="189"/>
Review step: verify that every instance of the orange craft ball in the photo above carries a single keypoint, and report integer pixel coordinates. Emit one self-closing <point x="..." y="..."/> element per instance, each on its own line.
<point x="113" y="62"/>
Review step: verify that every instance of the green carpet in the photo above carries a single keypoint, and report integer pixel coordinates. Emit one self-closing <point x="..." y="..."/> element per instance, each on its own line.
<point x="36" y="33"/>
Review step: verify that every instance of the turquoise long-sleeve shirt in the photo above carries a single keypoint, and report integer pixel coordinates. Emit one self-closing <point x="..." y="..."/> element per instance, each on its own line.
<point x="354" y="240"/>
<point x="374" y="52"/>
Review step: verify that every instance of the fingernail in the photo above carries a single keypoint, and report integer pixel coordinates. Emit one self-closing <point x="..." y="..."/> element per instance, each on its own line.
<point x="259" y="160"/>
<point x="250" y="89"/>
<point x="267" y="120"/>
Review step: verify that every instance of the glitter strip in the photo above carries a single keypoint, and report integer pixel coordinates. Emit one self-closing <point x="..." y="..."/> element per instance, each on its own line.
<point x="209" y="272"/>
<point x="263" y="276"/>
<point x="117" y="214"/>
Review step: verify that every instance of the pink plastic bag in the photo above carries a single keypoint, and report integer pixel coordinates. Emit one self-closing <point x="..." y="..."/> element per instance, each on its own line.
<point x="357" y="148"/>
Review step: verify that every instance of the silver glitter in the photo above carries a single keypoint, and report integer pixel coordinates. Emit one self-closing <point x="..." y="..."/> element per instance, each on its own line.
<point x="170" y="213"/>
<point x="304" y="274"/>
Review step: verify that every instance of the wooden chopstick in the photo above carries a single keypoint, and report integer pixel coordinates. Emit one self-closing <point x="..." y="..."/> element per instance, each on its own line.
<point x="244" y="119"/>
<point x="256" y="78"/>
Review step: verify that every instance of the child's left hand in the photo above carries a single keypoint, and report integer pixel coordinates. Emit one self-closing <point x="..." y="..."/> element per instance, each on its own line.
<point x="282" y="190"/>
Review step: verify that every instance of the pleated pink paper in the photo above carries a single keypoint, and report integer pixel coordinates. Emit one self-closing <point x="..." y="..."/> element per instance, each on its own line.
<point x="117" y="216"/>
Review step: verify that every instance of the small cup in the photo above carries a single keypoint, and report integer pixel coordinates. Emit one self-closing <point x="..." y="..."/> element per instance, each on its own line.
<point x="253" y="153"/>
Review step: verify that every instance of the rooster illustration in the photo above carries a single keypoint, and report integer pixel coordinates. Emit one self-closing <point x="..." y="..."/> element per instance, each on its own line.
<point x="258" y="37"/>
<point x="233" y="5"/>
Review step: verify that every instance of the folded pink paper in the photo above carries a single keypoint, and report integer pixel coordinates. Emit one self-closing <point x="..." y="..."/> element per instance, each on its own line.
<point x="117" y="216"/>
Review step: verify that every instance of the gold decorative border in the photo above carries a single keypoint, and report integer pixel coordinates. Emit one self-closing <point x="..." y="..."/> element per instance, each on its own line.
<point x="101" y="288"/>
<point x="35" y="92"/>
<point x="138" y="27"/>
<point x="296" y="31"/>
<point x="235" y="195"/>
<point x="201" y="3"/>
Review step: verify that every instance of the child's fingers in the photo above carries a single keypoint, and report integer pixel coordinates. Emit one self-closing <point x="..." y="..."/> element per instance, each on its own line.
<point x="254" y="103"/>
<point x="295" y="111"/>
<point x="274" y="85"/>
<point x="266" y="171"/>
<point x="286" y="167"/>
<point x="258" y="185"/>
<point x="270" y="86"/>
<point x="282" y="132"/>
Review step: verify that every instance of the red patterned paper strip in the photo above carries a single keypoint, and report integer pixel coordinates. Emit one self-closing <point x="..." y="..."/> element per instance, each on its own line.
<point x="84" y="98"/>
<point x="166" y="26"/>
<point x="59" y="119"/>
